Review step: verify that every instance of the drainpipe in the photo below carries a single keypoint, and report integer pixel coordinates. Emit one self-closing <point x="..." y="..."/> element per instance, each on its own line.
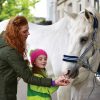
<point x="54" y="5"/>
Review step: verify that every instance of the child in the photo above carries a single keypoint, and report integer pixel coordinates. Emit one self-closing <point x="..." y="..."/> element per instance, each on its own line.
<point x="38" y="59"/>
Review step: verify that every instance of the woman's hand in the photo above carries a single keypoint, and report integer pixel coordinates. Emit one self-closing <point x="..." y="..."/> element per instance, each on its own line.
<point x="61" y="81"/>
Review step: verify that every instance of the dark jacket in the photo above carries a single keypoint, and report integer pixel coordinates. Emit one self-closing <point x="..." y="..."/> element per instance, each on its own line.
<point x="12" y="65"/>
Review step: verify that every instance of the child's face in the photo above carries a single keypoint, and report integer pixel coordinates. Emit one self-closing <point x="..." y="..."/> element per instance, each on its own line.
<point x="41" y="61"/>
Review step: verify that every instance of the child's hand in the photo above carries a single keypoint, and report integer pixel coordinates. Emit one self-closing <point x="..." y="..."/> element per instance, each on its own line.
<point x="62" y="81"/>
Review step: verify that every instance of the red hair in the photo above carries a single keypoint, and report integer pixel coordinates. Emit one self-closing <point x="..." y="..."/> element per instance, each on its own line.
<point x="12" y="35"/>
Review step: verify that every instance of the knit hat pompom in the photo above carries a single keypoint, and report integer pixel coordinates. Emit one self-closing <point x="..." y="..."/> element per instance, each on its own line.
<point x="35" y="53"/>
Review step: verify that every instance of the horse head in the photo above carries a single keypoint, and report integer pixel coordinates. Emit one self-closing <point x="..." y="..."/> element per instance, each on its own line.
<point x="83" y="43"/>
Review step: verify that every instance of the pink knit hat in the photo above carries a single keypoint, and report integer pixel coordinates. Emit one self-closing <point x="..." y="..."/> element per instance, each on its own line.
<point x="35" y="53"/>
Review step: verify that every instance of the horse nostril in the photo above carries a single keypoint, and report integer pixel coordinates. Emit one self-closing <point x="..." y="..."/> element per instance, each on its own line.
<point x="74" y="73"/>
<point x="68" y="72"/>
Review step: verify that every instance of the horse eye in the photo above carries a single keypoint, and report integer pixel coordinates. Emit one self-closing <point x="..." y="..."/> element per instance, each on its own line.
<point x="83" y="40"/>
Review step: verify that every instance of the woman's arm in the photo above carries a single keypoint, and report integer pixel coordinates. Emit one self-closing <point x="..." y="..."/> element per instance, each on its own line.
<point x="16" y="61"/>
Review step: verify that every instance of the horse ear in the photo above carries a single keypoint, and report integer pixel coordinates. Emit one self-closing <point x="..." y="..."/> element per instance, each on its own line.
<point x="87" y="15"/>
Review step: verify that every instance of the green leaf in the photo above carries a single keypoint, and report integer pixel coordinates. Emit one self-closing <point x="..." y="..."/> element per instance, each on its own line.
<point x="9" y="8"/>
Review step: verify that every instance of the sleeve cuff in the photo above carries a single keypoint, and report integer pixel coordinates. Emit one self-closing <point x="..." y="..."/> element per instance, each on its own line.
<point x="53" y="83"/>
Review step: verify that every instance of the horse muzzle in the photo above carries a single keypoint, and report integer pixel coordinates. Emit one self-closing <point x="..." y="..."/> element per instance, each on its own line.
<point x="72" y="73"/>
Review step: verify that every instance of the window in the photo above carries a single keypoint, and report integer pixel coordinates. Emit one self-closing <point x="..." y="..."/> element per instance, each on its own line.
<point x="80" y="7"/>
<point x="96" y="4"/>
<point x="58" y="15"/>
<point x="70" y="7"/>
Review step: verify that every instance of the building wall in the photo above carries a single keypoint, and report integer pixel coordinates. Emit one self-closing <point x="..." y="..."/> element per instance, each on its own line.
<point x="71" y="6"/>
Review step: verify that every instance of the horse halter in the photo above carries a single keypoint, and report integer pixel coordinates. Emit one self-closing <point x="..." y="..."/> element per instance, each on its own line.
<point x="83" y="60"/>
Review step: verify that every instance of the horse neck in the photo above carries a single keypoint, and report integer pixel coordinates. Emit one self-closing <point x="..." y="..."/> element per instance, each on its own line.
<point x="62" y="23"/>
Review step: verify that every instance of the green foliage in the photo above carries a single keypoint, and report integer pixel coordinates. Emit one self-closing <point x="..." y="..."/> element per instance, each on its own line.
<point x="9" y="8"/>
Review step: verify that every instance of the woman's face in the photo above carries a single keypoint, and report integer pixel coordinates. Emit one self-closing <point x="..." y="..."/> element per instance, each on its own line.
<point x="24" y="32"/>
<point x="41" y="61"/>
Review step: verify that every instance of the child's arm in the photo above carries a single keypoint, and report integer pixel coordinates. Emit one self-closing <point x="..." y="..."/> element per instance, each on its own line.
<point x="52" y="89"/>
<point x="48" y="90"/>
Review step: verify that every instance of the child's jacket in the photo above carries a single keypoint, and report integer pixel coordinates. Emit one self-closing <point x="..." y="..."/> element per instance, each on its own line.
<point x="39" y="92"/>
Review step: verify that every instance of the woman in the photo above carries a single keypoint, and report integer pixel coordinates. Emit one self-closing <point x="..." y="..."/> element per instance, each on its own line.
<point x="12" y="64"/>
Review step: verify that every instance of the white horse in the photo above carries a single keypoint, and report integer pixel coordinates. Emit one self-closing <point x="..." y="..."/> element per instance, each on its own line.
<point x="82" y="53"/>
<point x="72" y="36"/>
<point x="79" y="38"/>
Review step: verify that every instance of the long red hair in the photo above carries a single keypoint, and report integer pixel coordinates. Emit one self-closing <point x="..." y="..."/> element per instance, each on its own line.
<point x="12" y="35"/>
